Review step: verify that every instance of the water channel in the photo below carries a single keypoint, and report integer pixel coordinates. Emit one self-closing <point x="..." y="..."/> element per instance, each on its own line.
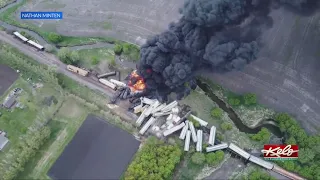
<point x="267" y="123"/>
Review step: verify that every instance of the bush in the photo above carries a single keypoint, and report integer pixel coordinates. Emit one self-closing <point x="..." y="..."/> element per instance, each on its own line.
<point x="131" y="51"/>
<point x="68" y="57"/>
<point x="198" y="158"/>
<point x="250" y="99"/>
<point x="216" y="112"/>
<point x="117" y="49"/>
<point x="263" y="135"/>
<point x="214" y="158"/>
<point x="234" y="101"/>
<point x="95" y="60"/>
<point x="259" y="175"/>
<point x="195" y="123"/>
<point x="226" y="126"/>
<point x="156" y="160"/>
<point x="54" y="38"/>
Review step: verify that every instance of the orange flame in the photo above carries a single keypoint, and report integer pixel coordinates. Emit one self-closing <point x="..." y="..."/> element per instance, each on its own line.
<point x="139" y="84"/>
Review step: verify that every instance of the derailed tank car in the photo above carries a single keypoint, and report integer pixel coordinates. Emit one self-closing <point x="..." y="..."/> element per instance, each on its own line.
<point x="77" y="70"/>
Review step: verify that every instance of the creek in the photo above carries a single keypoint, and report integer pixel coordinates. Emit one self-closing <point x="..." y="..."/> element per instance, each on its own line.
<point x="267" y="123"/>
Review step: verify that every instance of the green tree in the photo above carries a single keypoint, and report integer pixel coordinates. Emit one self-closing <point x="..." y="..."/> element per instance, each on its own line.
<point x="54" y="38"/>
<point x="94" y="60"/>
<point x="75" y="58"/>
<point x="250" y="99"/>
<point x="215" y="158"/>
<point x="226" y="126"/>
<point x="263" y="135"/>
<point x="64" y="55"/>
<point x="306" y="156"/>
<point x="216" y="112"/>
<point x="198" y="158"/>
<point x="156" y="159"/>
<point x="234" y="101"/>
<point x="195" y="123"/>
<point x="117" y="49"/>
<point x="259" y="175"/>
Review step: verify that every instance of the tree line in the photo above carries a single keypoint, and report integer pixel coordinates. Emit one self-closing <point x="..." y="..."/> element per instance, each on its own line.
<point x="26" y="149"/>
<point x="156" y="160"/>
<point x="308" y="163"/>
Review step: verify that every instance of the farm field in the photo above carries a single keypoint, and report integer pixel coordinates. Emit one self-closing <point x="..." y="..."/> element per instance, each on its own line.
<point x="98" y="151"/>
<point x="7" y="77"/>
<point x="124" y="20"/>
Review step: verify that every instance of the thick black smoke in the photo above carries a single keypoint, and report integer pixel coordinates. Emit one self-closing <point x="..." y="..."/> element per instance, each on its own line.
<point x="211" y="34"/>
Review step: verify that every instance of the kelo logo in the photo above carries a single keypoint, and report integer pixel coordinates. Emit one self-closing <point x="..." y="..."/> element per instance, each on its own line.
<point x="280" y="152"/>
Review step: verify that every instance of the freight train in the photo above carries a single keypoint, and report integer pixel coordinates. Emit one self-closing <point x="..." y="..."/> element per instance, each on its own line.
<point x="29" y="42"/>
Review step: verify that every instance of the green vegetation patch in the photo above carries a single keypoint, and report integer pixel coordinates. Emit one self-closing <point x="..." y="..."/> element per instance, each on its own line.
<point x="156" y="160"/>
<point x="129" y="51"/>
<point x="202" y="105"/>
<point x="92" y="57"/>
<point x="68" y="56"/>
<point x="9" y="17"/>
<point x="194" y="162"/>
<point x="308" y="163"/>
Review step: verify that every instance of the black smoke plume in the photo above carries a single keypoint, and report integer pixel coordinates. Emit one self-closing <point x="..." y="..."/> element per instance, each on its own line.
<point x="212" y="34"/>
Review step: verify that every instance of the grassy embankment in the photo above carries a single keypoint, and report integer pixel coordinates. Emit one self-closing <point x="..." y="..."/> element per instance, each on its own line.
<point x="72" y="97"/>
<point x="9" y="17"/>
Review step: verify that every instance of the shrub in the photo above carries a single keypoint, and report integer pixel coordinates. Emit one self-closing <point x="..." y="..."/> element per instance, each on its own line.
<point x="131" y="51"/>
<point x="94" y="60"/>
<point x="117" y="49"/>
<point x="54" y="38"/>
<point x="68" y="57"/>
<point x="195" y="123"/>
<point x="226" y="126"/>
<point x="250" y="99"/>
<point x="214" y="158"/>
<point x="263" y="135"/>
<point x="198" y="158"/>
<point x="234" y="101"/>
<point x="216" y="112"/>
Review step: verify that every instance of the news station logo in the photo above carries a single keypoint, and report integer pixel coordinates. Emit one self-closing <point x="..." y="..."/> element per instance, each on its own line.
<point x="280" y="152"/>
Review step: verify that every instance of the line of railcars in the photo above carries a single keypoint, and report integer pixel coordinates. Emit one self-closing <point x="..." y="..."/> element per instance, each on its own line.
<point x="26" y="40"/>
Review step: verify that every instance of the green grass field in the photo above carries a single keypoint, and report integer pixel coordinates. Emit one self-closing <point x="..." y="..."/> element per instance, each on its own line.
<point x="90" y="58"/>
<point x="9" y="17"/>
